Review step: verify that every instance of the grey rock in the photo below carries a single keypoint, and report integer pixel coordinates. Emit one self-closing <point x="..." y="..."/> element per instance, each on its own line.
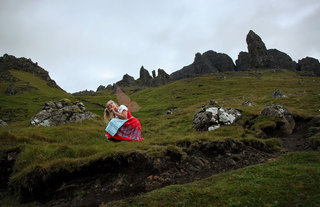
<point x="208" y="62"/>
<point x="247" y="103"/>
<point x="11" y="90"/>
<point x="288" y="123"/>
<point x="3" y="123"/>
<point x="278" y="94"/>
<point x="126" y="81"/>
<point x="101" y="88"/>
<point x="60" y="113"/>
<point x="243" y="61"/>
<point x="309" y="64"/>
<point x="211" y="118"/>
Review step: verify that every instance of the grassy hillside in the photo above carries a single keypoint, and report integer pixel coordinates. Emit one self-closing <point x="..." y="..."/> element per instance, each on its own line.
<point x="33" y="92"/>
<point x="47" y="150"/>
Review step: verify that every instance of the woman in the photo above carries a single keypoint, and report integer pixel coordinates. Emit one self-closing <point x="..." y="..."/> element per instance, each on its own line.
<point x="122" y="126"/>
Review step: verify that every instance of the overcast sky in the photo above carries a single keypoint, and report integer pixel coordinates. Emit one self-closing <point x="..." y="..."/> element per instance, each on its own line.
<point x="84" y="44"/>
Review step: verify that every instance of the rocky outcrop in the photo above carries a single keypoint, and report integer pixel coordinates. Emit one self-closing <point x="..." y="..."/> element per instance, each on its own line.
<point x="208" y="62"/>
<point x="60" y="113"/>
<point x="162" y="78"/>
<point x="10" y="62"/>
<point x="260" y="57"/>
<point x="145" y="78"/>
<point x="127" y="81"/>
<point x="11" y="90"/>
<point x="243" y="61"/>
<point x="286" y="123"/>
<point x="309" y="64"/>
<point x="211" y="118"/>
<point x="101" y="88"/>
<point x="84" y="93"/>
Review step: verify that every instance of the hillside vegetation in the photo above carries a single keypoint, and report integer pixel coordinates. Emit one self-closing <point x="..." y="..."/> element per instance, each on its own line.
<point x="46" y="152"/>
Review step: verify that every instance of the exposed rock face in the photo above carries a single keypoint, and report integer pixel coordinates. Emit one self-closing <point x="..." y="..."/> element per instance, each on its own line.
<point x="286" y="124"/>
<point x="145" y="78"/>
<point x="127" y="81"/>
<point x="209" y="62"/>
<point x="60" y="113"/>
<point x="243" y="61"/>
<point x="260" y="57"/>
<point x="101" y="88"/>
<point x="84" y="93"/>
<point x="211" y="118"/>
<point x="9" y="62"/>
<point x="162" y="78"/>
<point x="309" y="64"/>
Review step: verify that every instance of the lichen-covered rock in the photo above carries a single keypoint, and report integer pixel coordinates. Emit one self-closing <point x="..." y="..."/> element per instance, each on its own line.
<point x="60" y="113"/>
<point x="211" y="118"/>
<point x="287" y="124"/>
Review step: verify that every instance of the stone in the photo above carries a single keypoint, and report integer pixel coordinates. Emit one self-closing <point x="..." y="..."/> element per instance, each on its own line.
<point x="60" y="113"/>
<point x="3" y="123"/>
<point x="211" y="118"/>
<point x="278" y="94"/>
<point x="208" y="62"/>
<point x="247" y="103"/>
<point x="257" y="50"/>
<point x="11" y="90"/>
<point x="287" y="124"/>
<point x="309" y="64"/>
<point x="213" y="103"/>
<point x="145" y="78"/>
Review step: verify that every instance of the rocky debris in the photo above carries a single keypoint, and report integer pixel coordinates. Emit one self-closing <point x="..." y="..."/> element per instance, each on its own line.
<point x="3" y="123"/>
<point x="260" y="57"/>
<point x="247" y="103"/>
<point x="309" y="64"/>
<point x="10" y="62"/>
<point x="11" y="90"/>
<point x="211" y="118"/>
<point x="208" y="62"/>
<point x="60" y="113"/>
<point x="126" y="81"/>
<point x="243" y="61"/>
<point x="285" y="124"/>
<point x="278" y="94"/>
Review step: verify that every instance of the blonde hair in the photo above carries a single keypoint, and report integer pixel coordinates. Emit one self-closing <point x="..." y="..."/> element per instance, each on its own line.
<point x="108" y="115"/>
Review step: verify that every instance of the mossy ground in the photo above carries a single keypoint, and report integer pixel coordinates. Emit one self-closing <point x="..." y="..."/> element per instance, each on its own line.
<point x="73" y="145"/>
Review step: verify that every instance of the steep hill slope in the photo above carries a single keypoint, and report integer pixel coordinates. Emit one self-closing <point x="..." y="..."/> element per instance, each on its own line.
<point x="24" y="88"/>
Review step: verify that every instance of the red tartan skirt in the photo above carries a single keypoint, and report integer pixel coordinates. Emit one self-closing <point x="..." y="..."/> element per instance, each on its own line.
<point x="129" y="131"/>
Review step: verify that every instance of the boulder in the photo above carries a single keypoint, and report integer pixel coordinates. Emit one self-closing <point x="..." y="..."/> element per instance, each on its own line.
<point x="309" y="64"/>
<point x="211" y="118"/>
<point x="286" y="123"/>
<point x="278" y="94"/>
<point x="60" y="113"/>
<point x="208" y="62"/>
<point x="257" y="50"/>
<point x="162" y="78"/>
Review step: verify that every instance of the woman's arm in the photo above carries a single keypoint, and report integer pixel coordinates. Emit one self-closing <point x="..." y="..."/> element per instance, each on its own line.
<point x="123" y="115"/>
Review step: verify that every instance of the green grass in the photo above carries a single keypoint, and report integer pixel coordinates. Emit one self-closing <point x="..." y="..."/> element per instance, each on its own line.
<point x="73" y="145"/>
<point x="291" y="180"/>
